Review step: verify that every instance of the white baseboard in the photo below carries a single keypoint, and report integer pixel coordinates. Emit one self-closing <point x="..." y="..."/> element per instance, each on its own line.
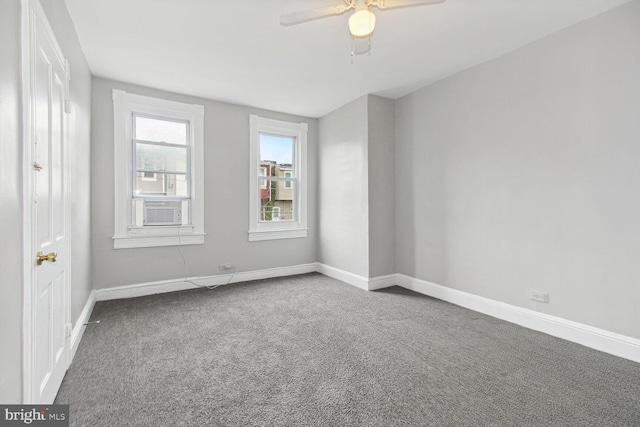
<point x="599" y="339"/>
<point x="344" y="276"/>
<point x="152" y="288"/>
<point x="589" y="336"/>
<point x="381" y="282"/>
<point x="78" y="329"/>
<point x="364" y="283"/>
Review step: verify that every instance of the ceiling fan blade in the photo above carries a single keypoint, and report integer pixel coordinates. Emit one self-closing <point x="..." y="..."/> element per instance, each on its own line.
<point x="388" y="4"/>
<point x="309" y="15"/>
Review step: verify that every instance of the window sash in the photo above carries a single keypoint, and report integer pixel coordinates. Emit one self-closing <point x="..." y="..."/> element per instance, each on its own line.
<point x="270" y="188"/>
<point x="291" y="170"/>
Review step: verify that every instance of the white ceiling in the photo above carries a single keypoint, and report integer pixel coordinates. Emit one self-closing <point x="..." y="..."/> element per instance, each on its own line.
<point x="236" y="51"/>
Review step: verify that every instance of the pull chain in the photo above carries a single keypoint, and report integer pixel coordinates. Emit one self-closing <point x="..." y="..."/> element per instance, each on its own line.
<point x="353" y="48"/>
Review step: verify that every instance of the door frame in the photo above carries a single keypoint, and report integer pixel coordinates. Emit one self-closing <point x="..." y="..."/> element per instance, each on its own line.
<point x="30" y="9"/>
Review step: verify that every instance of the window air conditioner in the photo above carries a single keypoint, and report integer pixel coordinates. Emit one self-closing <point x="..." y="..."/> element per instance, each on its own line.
<point x="162" y="213"/>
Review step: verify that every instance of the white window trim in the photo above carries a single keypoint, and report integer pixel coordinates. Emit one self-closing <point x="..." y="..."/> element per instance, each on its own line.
<point x="125" y="235"/>
<point x="258" y="230"/>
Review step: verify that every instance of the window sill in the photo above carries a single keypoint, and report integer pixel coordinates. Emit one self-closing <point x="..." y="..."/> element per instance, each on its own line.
<point x="258" y="236"/>
<point x="127" y="242"/>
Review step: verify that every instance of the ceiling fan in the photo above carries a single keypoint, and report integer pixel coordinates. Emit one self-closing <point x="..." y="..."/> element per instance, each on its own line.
<point x="362" y="22"/>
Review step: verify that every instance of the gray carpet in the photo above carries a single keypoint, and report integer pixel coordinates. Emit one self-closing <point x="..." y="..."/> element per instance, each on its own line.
<point x="311" y="351"/>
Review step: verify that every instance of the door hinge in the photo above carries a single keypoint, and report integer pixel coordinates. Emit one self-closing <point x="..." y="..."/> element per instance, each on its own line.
<point x="68" y="328"/>
<point x="37" y="166"/>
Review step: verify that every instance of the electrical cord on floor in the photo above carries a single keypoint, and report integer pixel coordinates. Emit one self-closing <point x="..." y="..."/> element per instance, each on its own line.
<point x="186" y="270"/>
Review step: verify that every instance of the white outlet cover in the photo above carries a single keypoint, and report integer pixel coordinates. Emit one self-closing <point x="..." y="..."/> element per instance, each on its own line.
<point x="539" y="296"/>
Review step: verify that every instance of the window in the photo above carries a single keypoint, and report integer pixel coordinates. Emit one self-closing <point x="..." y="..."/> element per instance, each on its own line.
<point x="158" y="172"/>
<point x="160" y="150"/>
<point x="278" y="192"/>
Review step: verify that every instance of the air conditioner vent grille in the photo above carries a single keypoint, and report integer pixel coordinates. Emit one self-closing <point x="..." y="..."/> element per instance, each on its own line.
<point x="162" y="213"/>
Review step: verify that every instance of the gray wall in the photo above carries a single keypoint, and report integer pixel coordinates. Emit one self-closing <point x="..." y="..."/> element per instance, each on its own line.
<point x="226" y="151"/>
<point x="357" y="187"/>
<point x="343" y="189"/>
<point x="523" y="174"/>
<point x="382" y="178"/>
<point x="11" y="201"/>
<point x="79" y="127"/>
<point x="11" y="279"/>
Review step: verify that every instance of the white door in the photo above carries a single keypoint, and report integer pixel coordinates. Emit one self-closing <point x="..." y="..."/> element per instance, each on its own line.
<point x="49" y="294"/>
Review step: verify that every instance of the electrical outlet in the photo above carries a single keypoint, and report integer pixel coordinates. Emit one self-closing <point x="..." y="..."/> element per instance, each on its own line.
<point x="225" y="266"/>
<point x="539" y="296"/>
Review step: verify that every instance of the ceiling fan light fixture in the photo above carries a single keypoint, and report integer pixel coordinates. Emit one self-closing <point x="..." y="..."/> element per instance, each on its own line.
<point x="362" y="23"/>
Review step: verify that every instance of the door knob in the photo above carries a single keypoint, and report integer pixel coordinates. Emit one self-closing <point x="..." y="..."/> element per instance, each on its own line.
<point x="40" y="257"/>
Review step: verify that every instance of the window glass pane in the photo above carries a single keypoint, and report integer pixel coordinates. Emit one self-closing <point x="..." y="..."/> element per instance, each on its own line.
<point x="158" y="130"/>
<point x="161" y="184"/>
<point x="276" y="149"/>
<point x="276" y="200"/>
<point x="161" y="158"/>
